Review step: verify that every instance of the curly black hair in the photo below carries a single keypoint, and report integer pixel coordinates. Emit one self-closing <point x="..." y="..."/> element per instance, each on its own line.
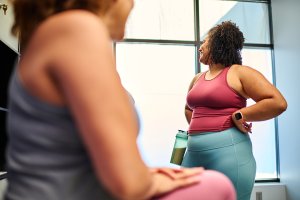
<point x="225" y="43"/>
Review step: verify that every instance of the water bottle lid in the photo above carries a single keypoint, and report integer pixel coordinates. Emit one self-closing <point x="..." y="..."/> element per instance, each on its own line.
<point x="182" y="134"/>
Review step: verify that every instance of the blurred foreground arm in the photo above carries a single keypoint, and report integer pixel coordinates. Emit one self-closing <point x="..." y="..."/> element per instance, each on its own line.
<point x="86" y="76"/>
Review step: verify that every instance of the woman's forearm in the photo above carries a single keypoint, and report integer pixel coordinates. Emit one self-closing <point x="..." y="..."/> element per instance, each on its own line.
<point x="264" y="110"/>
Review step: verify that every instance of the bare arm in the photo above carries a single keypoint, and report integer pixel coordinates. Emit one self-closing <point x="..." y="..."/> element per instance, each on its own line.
<point x="187" y="110"/>
<point x="84" y="71"/>
<point x="269" y="101"/>
<point x="188" y="113"/>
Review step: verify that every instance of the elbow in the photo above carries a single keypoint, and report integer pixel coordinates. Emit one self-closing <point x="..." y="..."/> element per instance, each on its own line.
<point x="282" y="106"/>
<point x="188" y="115"/>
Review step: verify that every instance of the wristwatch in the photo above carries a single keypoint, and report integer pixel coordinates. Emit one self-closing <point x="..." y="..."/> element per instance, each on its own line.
<point x="238" y="115"/>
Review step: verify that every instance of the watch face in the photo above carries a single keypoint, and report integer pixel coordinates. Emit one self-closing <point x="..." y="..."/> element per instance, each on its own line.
<point x="238" y="116"/>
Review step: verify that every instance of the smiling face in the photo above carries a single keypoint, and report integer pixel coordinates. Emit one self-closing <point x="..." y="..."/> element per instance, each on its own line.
<point x="204" y="52"/>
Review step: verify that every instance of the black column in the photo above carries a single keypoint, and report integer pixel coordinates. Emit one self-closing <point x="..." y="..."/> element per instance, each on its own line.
<point x="8" y="58"/>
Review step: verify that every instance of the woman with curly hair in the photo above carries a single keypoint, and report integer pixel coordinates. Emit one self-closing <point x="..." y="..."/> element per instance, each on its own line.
<point x="72" y="126"/>
<point x="219" y="120"/>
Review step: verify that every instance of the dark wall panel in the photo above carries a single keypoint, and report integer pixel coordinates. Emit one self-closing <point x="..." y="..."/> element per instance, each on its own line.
<point x="7" y="59"/>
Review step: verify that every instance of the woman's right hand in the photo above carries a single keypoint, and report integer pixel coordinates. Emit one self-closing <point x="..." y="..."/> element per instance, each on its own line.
<point x="167" y="179"/>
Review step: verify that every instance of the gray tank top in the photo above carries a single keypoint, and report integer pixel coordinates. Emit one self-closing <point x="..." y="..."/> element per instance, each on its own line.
<point x="46" y="159"/>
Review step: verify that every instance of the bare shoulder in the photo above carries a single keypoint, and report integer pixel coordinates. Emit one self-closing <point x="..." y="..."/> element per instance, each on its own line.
<point x="195" y="79"/>
<point x="73" y="41"/>
<point x="60" y="34"/>
<point x="62" y="48"/>
<point x="72" y="35"/>
<point x="243" y="71"/>
<point x="73" y="23"/>
<point x="197" y="76"/>
<point x="240" y="68"/>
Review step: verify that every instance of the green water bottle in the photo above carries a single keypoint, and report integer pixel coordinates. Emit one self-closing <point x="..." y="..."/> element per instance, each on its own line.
<point x="179" y="147"/>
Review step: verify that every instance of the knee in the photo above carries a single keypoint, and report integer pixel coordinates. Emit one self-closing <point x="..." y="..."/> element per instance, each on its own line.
<point x="219" y="184"/>
<point x="213" y="186"/>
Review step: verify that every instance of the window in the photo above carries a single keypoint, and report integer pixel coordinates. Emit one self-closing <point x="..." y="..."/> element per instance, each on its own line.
<point x="159" y="58"/>
<point x="252" y="18"/>
<point x="162" y="20"/>
<point x="155" y="75"/>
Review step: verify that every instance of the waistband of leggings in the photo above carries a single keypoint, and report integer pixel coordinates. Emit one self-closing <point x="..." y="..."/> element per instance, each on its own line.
<point x="212" y="140"/>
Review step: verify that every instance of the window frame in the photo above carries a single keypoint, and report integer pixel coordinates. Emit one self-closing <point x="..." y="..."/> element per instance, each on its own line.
<point x="197" y="43"/>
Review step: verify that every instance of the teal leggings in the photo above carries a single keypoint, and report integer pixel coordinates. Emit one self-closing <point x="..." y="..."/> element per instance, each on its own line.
<point x="229" y="152"/>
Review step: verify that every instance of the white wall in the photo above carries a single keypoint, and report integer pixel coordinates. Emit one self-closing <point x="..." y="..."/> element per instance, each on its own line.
<point x="269" y="191"/>
<point x="6" y="22"/>
<point x="286" y="26"/>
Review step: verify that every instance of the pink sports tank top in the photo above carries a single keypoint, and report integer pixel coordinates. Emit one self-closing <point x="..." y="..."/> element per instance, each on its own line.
<point x="213" y="102"/>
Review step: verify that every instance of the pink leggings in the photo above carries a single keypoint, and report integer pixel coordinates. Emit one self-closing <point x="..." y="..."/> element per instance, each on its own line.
<point x="213" y="186"/>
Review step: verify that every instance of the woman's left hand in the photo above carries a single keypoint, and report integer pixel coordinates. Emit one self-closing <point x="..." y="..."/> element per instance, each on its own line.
<point x="177" y="173"/>
<point x="242" y="125"/>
